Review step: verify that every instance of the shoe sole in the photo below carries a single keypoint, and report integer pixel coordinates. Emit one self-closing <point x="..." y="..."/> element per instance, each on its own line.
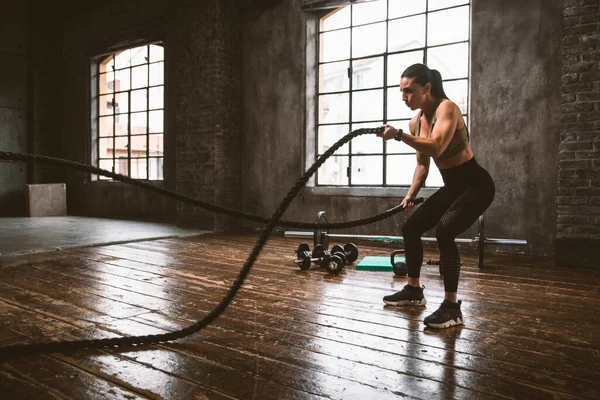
<point x="421" y="302"/>
<point x="447" y="324"/>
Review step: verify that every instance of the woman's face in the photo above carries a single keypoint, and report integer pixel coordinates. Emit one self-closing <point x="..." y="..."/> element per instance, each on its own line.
<point x="413" y="94"/>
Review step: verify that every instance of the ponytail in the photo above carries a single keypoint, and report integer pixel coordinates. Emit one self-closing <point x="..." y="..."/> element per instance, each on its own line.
<point x="423" y="75"/>
<point x="437" y="88"/>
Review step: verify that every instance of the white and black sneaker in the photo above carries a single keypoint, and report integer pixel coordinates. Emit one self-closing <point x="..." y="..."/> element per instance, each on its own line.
<point x="447" y="315"/>
<point x="408" y="296"/>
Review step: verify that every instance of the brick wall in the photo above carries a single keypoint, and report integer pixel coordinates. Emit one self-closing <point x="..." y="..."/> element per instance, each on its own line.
<point x="578" y="225"/>
<point x="207" y="86"/>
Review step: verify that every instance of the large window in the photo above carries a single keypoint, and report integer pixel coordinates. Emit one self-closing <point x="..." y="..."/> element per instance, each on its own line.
<point x="128" y="112"/>
<point x="363" y="49"/>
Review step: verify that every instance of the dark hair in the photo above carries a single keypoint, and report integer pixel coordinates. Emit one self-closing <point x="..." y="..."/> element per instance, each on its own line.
<point x="423" y="75"/>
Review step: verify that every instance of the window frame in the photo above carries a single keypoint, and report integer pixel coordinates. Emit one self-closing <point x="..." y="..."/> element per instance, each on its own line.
<point x="313" y="33"/>
<point x="95" y="113"/>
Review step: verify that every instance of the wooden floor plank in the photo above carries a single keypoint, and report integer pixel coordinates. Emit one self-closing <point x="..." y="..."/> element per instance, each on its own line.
<point x="291" y="333"/>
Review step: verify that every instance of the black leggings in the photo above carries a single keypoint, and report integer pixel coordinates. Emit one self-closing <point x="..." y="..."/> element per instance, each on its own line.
<point x="467" y="192"/>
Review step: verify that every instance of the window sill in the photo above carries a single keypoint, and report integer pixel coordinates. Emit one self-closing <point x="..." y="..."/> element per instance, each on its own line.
<point x="365" y="191"/>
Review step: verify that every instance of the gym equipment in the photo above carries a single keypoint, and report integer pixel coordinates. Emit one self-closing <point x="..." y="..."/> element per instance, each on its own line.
<point x="323" y="258"/>
<point x="399" y="267"/>
<point x="349" y="252"/>
<point x="321" y="236"/>
<point x="374" y="263"/>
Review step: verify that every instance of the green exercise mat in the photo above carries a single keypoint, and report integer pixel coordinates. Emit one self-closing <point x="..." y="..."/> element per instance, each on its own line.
<point x="377" y="263"/>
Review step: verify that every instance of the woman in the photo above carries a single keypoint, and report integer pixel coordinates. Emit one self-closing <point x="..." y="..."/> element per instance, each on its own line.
<point x="438" y="131"/>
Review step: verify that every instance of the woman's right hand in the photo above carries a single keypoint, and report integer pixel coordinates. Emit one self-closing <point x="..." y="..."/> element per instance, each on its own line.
<point x="408" y="203"/>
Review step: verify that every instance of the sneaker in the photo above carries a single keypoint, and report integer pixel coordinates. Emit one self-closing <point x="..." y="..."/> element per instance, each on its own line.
<point x="408" y="296"/>
<point x="447" y="315"/>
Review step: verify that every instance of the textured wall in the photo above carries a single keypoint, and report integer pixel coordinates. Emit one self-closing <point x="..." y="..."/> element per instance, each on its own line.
<point x="514" y="124"/>
<point x="578" y="223"/>
<point x="514" y="97"/>
<point x="202" y="104"/>
<point x="13" y="105"/>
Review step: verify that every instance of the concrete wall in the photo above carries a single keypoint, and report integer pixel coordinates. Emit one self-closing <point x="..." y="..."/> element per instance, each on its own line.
<point x="202" y="105"/>
<point x="13" y="105"/>
<point x="515" y="127"/>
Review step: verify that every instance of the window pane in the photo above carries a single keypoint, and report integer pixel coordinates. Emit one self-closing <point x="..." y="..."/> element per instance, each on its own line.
<point x="106" y="126"/>
<point x="367" y="40"/>
<point x="139" y="55"/>
<point x="397" y="63"/>
<point x="157" y="53"/>
<point x="400" y="169"/>
<point x="367" y="105"/>
<point x="139" y="77"/>
<point x="139" y="100"/>
<point x="434" y="179"/>
<point x="448" y="26"/>
<point x="155" y="169"/>
<point x="337" y="19"/>
<point x="157" y="73"/>
<point x="156" y="121"/>
<point x="367" y="170"/>
<point x="156" y="145"/>
<point x="334" y="108"/>
<point x="122" y="80"/>
<point x="122" y="166"/>
<point x="394" y="146"/>
<point x="122" y="124"/>
<point x="401" y="8"/>
<point x="437" y="4"/>
<point x="106" y="165"/>
<point x="333" y="171"/>
<point x="106" y="105"/>
<point x="406" y="33"/>
<point x="335" y="45"/>
<point x="139" y="168"/>
<point x="122" y="59"/>
<point x="366" y="143"/>
<point x="121" y="146"/>
<point x="139" y="123"/>
<point x="122" y="102"/>
<point x="106" y="82"/>
<point x="367" y="73"/>
<point x="396" y="109"/>
<point x="156" y="97"/>
<point x="371" y="11"/>
<point x="105" y="147"/>
<point x="108" y="65"/>
<point x="457" y="91"/>
<point x="452" y="61"/>
<point x="333" y="77"/>
<point x="139" y="146"/>
<point x="328" y="135"/>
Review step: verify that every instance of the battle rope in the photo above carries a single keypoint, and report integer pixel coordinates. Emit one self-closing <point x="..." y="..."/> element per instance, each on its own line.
<point x="21" y="350"/>
<point x="8" y="156"/>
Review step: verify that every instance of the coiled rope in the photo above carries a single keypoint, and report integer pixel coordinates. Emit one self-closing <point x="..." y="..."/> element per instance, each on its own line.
<point x="21" y="350"/>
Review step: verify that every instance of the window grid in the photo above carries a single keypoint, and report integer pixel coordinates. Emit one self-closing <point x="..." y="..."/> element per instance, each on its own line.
<point x="385" y="56"/>
<point x="123" y="164"/>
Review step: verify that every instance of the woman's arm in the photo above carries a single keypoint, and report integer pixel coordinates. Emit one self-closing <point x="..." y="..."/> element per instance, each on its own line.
<point x="420" y="174"/>
<point x="441" y="136"/>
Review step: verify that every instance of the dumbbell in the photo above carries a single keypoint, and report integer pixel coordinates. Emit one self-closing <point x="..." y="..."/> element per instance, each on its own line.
<point x="334" y="264"/>
<point x="349" y="253"/>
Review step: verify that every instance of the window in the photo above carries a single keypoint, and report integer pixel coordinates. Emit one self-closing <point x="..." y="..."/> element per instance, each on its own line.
<point x="362" y="50"/>
<point x="128" y="112"/>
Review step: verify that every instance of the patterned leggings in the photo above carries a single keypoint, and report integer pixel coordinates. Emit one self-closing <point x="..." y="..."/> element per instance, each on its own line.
<point x="467" y="192"/>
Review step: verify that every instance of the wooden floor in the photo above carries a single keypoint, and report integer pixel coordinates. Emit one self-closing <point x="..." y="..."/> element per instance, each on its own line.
<point x="532" y="330"/>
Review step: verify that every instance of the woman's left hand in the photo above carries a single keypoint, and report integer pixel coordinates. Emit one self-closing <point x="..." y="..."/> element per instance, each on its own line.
<point x="388" y="133"/>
